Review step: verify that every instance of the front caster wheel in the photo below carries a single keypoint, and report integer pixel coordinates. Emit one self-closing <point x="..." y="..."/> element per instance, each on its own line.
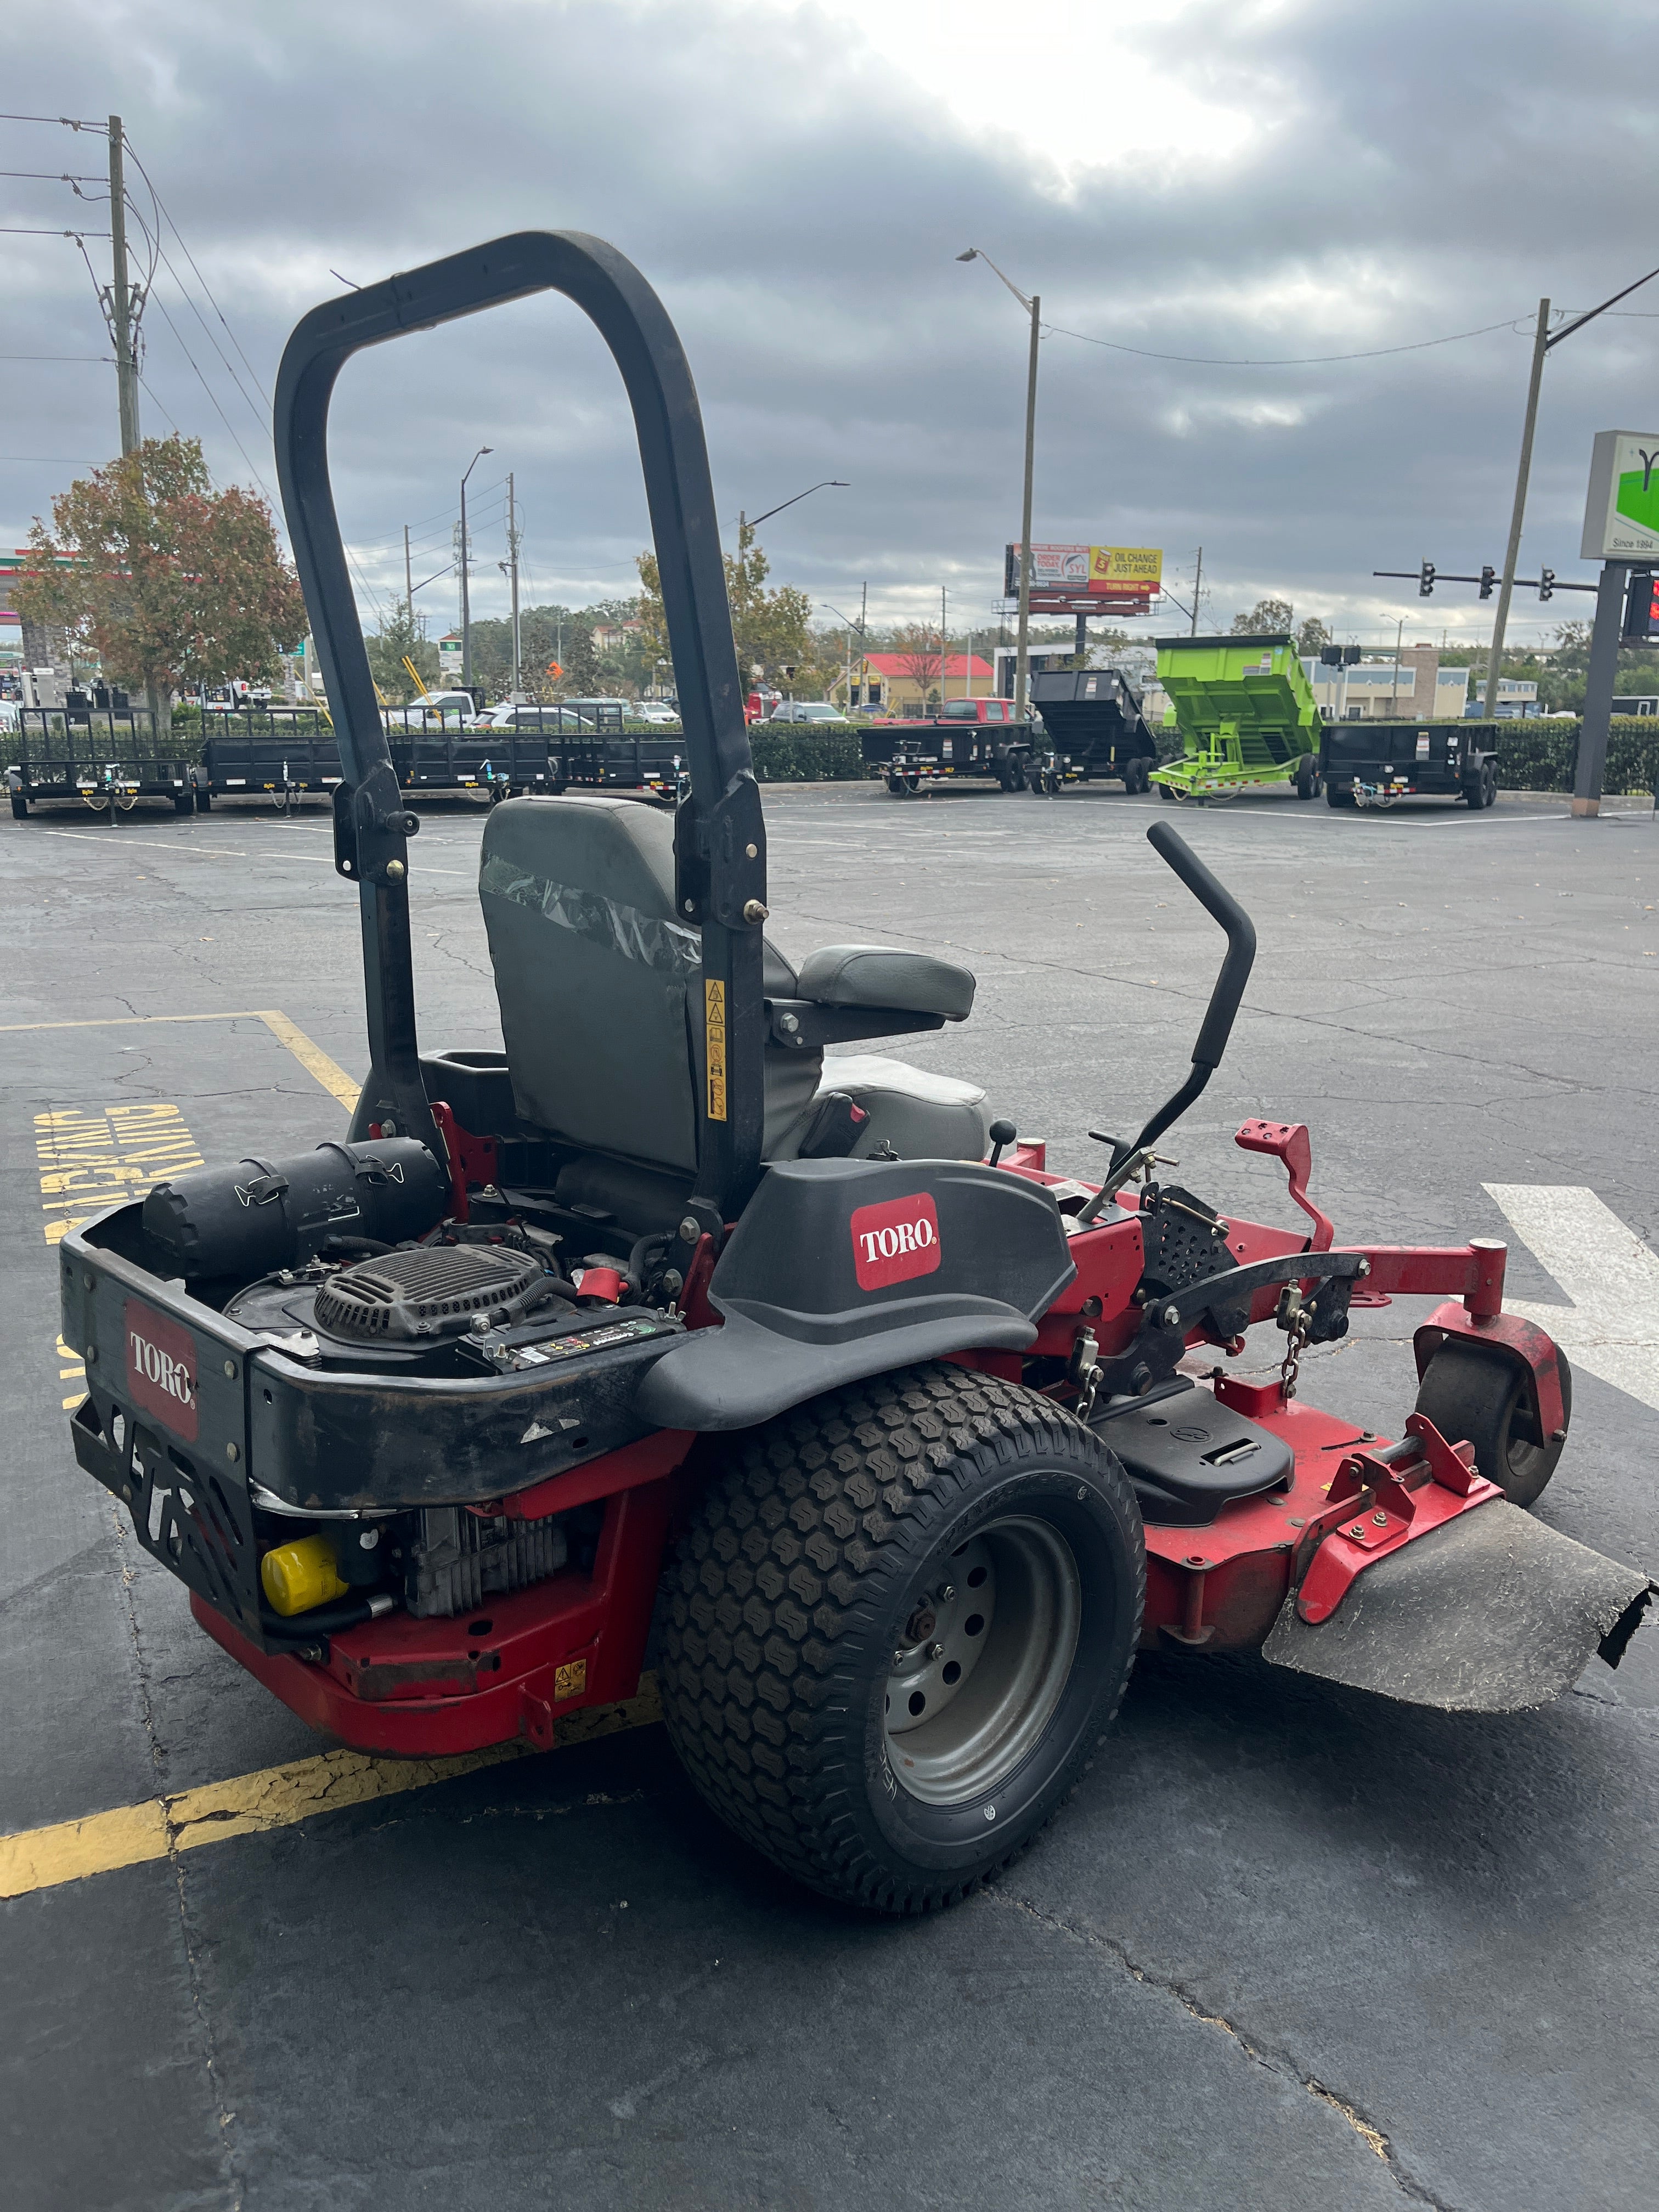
<point x="1477" y="1396"/>
<point x="901" y="1621"/>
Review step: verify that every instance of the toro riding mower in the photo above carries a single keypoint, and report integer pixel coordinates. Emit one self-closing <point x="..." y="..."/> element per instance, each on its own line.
<point x="660" y="1338"/>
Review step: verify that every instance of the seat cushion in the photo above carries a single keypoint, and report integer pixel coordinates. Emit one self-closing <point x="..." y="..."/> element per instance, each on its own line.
<point x="921" y="1116"/>
<point x="879" y="976"/>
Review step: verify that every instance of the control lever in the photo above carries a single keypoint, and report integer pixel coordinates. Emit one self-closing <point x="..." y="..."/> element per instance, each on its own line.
<point x="1003" y="1134"/>
<point x="1216" y="899"/>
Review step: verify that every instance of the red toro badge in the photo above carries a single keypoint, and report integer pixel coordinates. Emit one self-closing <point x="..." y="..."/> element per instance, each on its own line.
<point x="162" y="1369"/>
<point x="892" y="1242"/>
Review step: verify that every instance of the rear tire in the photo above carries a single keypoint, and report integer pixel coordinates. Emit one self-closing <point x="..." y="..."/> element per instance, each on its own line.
<point x="1337" y="795"/>
<point x="1475" y="1396"/>
<point x="1306" y="778"/>
<point x="1165" y="792"/>
<point x="882" y="1741"/>
<point x="19" y="807"/>
<point x="204" y="800"/>
<point x="183" y="803"/>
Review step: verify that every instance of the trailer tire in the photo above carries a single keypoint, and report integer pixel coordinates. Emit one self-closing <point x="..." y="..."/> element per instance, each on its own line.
<point x="1165" y="792"/>
<point x="807" y="1595"/>
<point x="204" y="800"/>
<point x="183" y="803"/>
<point x="19" y="807"/>
<point x="1479" y="1396"/>
<point x="1338" y="794"/>
<point x="1306" y="778"/>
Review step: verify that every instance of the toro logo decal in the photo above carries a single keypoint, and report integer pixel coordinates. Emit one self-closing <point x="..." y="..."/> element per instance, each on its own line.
<point x="162" y="1369"/>
<point x="892" y="1242"/>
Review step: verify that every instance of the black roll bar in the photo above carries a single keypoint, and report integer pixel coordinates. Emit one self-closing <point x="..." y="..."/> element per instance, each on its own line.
<point x="720" y="834"/>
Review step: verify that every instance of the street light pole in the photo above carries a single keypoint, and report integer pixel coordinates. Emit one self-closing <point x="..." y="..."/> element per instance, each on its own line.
<point x="1543" y="343"/>
<point x="466" y="603"/>
<point x="1022" y="658"/>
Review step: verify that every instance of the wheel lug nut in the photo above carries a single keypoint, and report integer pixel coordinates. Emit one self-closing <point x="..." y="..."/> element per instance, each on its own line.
<point x="936" y="1651"/>
<point x="947" y="1592"/>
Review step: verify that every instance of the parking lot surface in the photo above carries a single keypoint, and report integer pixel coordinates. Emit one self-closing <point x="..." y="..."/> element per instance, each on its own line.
<point x="1289" y="1946"/>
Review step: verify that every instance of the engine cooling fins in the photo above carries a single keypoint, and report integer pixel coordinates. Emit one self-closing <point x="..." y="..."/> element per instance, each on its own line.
<point x="435" y="1291"/>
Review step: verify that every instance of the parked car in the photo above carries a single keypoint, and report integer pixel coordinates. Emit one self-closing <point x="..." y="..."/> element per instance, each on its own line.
<point x="654" y="710"/>
<point x="818" y="711"/>
<point x="434" y="710"/>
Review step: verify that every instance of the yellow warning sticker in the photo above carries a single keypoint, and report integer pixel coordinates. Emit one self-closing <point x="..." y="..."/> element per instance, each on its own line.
<point x="715" y="1018"/>
<point x="570" y="1680"/>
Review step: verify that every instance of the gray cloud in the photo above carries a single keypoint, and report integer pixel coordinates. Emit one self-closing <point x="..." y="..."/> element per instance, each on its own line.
<point x="798" y="202"/>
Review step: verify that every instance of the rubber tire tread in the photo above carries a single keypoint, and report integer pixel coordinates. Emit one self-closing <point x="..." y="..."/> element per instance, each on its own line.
<point x="1469" y="1394"/>
<point x="749" y="1662"/>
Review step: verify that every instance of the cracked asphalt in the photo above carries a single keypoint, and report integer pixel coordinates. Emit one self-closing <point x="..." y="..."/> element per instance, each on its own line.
<point x="1289" y="1946"/>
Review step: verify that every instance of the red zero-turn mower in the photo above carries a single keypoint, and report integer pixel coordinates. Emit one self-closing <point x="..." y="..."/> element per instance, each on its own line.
<point x="661" y="1325"/>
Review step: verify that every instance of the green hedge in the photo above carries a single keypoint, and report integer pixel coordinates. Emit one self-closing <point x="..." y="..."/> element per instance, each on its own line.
<point x="1543" y="755"/>
<point x="793" y="752"/>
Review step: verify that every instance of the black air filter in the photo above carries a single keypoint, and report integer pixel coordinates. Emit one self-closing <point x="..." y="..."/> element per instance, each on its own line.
<point x="436" y="1290"/>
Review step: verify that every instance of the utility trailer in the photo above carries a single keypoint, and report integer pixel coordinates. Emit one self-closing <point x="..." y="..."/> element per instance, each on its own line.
<point x="1246" y="714"/>
<point x="257" y="756"/>
<point x="658" y="1325"/>
<point x="1094" y="728"/>
<point x="967" y="739"/>
<point x="1379" y="764"/>
<point x="105" y="759"/>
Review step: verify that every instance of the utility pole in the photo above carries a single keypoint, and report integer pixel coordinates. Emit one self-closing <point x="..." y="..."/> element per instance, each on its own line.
<point x="1023" y="664"/>
<point x="465" y="550"/>
<point x="1539" y="348"/>
<point x="409" y="579"/>
<point x="123" y="307"/>
<point x="512" y="557"/>
<point x="1198" y="585"/>
<point x="944" y="648"/>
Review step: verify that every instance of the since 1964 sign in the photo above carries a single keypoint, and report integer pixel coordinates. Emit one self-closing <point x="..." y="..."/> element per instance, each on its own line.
<point x="1621" y="515"/>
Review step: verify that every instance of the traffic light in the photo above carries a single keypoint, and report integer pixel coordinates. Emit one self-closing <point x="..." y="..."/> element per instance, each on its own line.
<point x="1426" y="580"/>
<point x="1546" y="583"/>
<point x="1640" y="623"/>
<point x="1331" y="655"/>
<point x="1488" y="577"/>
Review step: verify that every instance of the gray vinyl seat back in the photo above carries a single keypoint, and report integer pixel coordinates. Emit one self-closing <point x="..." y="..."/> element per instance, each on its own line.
<point x="596" y="980"/>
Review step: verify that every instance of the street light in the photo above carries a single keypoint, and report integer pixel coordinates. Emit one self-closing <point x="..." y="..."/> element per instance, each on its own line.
<point x="467" y="604"/>
<point x="1021" y="664"/>
<point x="829" y="483"/>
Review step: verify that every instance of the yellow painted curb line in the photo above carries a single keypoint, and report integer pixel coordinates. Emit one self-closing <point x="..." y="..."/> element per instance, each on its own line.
<point x="275" y="1797"/>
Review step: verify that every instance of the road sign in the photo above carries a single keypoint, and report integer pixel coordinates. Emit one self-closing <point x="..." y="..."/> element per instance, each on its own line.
<point x="555" y="670"/>
<point x="1621" y="512"/>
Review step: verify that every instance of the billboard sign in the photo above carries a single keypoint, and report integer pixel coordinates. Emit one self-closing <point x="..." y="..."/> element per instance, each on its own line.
<point x="1088" y="579"/>
<point x="1622" y="514"/>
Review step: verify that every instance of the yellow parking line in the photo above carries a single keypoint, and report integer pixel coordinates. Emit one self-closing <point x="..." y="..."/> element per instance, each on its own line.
<point x="313" y="1058"/>
<point x="332" y="1076"/>
<point x="275" y="1797"/>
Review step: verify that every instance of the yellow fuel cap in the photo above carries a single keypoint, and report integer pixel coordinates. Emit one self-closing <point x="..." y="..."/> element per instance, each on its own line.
<point x="298" y="1576"/>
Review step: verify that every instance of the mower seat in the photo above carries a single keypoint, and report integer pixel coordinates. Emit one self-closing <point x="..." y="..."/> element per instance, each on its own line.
<point x="598" y="983"/>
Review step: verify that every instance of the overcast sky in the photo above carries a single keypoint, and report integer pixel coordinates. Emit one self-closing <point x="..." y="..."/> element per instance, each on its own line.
<point x="796" y="178"/>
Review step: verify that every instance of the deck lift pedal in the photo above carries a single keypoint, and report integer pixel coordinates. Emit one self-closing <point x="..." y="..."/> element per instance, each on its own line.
<point x="657" y="1323"/>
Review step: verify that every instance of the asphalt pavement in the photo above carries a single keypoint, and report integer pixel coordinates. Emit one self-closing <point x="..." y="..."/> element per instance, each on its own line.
<point x="1289" y="1947"/>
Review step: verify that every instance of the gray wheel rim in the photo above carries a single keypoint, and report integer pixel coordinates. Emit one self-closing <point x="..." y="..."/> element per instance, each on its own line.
<point x="991" y="1665"/>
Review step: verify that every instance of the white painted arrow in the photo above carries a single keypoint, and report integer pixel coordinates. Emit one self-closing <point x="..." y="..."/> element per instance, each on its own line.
<point x="1612" y="1328"/>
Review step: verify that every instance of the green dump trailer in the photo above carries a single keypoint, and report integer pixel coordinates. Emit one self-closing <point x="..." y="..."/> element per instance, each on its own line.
<point x="1246" y="714"/>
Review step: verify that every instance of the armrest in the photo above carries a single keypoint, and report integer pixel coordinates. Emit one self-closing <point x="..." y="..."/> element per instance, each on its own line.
<point x="879" y="976"/>
<point x="802" y="1024"/>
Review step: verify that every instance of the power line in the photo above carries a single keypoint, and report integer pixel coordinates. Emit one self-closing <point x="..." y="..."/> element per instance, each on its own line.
<point x="51" y="177"/>
<point x="1290" y="361"/>
<point x="167" y="217"/>
<point x="13" y="230"/>
<point x="101" y="128"/>
<point x="102" y="358"/>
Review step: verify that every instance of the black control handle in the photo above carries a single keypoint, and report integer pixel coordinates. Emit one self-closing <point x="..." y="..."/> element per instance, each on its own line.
<point x="1216" y="900"/>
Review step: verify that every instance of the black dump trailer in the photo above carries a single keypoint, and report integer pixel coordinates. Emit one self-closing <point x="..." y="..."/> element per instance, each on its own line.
<point x="1095" y="727"/>
<point x="968" y="738"/>
<point x="1379" y="764"/>
<point x="258" y="752"/>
